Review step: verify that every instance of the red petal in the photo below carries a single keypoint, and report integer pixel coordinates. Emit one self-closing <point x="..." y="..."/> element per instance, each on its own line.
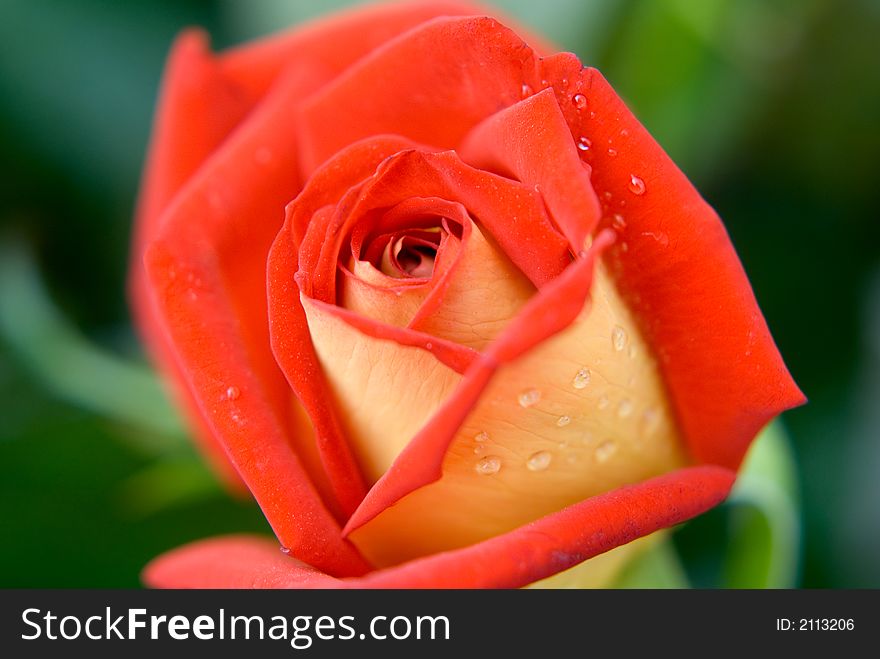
<point x="234" y="561"/>
<point x="551" y="310"/>
<point x="681" y="276"/>
<point x="333" y="42"/>
<point x="432" y="85"/>
<point x="522" y="556"/>
<point x="207" y="271"/>
<point x="198" y="107"/>
<point x="531" y="142"/>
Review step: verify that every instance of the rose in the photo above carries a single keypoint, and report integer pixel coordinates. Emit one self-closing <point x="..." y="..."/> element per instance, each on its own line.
<point x="499" y="332"/>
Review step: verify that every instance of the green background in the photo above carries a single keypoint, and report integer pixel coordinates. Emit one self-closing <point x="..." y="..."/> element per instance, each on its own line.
<point x="771" y="108"/>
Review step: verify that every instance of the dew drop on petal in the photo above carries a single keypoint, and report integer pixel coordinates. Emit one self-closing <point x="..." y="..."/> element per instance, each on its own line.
<point x="539" y="461"/>
<point x="618" y="338"/>
<point x="650" y="421"/>
<point x="563" y="421"/>
<point x="625" y="408"/>
<point x="584" y="143"/>
<point x="481" y="436"/>
<point x="284" y="550"/>
<point x="526" y="90"/>
<point x="603" y="402"/>
<point x="605" y="451"/>
<point x="618" y="222"/>
<point x="624" y="133"/>
<point x="489" y="465"/>
<point x="612" y="152"/>
<point x="529" y="397"/>
<point x="580" y="101"/>
<point x="636" y="185"/>
<point x="581" y="379"/>
<point x="233" y="392"/>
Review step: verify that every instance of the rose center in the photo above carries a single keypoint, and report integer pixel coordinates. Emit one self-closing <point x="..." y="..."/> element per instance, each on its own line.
<point x="411" y="254"/>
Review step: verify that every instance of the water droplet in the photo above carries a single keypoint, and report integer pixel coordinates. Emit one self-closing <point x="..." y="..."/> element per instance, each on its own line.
<point x="581" y="379"/>
<point x="612" y="152"/>
<point x="625" y="408"/>
<point x="624" y="133"/>
<point x="605" y="451"/>
<point x="563" y="421"/>
<point x="580" y="101"/>
<point x="618" y="222"/>
<point x="489" y="465"/>
<point x="529" y="397"/>
<point x="233" y="392"/>
<point x="618" y="338"/>
<point x="650" y="421"/>
<point x="545" y="84"/>
<point x="429" y="345"/>
<point x="526" y="90"/>
<point x="607" y="196"/>
<point x="624" y="247"/>
<point x="284" y="550"/>
<point x="564" y="82"/>
<point x="659" y="236"/>
<point x="592" y="115"/>
<point x="584" y="143"/>
<point x="603" y="402"/>
<point x="636" y="185"/>
<point x="481" y="436"/>
<point x="478" y="450"/>
<point x="539" y="461"/>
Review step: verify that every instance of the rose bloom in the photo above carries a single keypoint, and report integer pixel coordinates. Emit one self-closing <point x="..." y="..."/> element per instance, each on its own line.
<point x="434" y="296"/>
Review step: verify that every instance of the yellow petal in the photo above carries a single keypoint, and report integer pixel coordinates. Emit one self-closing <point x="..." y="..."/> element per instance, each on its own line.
<point x="384" y="392"/>
<point x="485" y="292"/>
<point x="582" y="414"/>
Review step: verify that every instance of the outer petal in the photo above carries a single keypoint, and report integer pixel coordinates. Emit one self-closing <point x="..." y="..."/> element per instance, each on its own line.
<point x="681" y="276"/>
<point x="198" y="108"/>
<point x="518" y="558"/>
<point x="333" y="42"/>
<point x="519" y="141"/>
<point x="234" y="561"/>
<point x="207" y="270"/>
<point x="432" y="85"/>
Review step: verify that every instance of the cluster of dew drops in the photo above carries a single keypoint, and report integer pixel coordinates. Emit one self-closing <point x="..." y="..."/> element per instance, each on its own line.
<point x="539" y="461"/>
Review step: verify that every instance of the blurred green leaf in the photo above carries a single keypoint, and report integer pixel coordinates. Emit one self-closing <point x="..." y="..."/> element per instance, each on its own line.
<point x="73" y="368"/>
<point x="657" y="567"/>
<point x="765" y="534"/>
<point x="166" y="484"/>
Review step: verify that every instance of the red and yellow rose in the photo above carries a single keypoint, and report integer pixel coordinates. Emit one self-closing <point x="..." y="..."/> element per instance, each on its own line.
<point x="495" y="332"/>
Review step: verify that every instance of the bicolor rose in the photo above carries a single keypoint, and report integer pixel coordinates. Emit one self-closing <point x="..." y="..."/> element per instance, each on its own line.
<point x="434" y="296"/>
